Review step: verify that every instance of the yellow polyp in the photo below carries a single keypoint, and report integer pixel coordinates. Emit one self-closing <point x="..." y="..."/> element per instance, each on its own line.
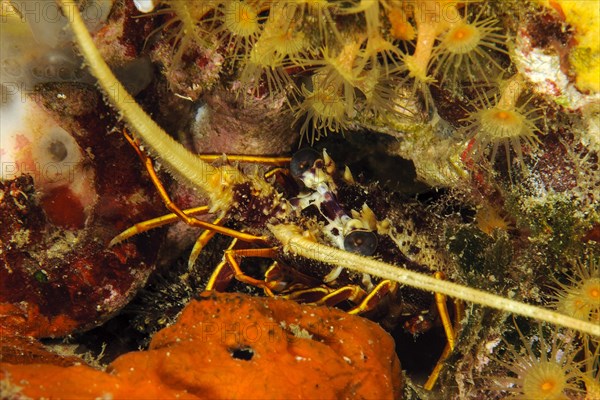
<point x="426" y="36"/>
<point x="547" y="386"/>
<point x="400" y="27"/>
<point x="502" y="124"/>
<point x="463" y="39"/>
<point x="459" y="35"/>
<point x="344" y="62"/>
<point x="417" y="70"/>
<point x="188" y="20"/>
<point x="488" y="220"/>
<point x="591" y="288"/>
<point x="241" y="19"/>
<point x="545" y="380"/>
<point x="503" y="115"/>
<point x="580" y="297"/>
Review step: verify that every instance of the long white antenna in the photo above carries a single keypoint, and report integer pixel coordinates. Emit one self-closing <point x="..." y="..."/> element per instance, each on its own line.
<point x="295" y="243"/>
<point x="176" y="158"/>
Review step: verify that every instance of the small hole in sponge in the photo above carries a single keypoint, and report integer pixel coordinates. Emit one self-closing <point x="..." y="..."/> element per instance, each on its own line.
<point x="58" y="151"/>
<point x="242" y="353"/>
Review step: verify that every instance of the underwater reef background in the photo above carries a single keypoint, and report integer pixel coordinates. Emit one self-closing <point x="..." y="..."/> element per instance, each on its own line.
<point x="471" y="127"/>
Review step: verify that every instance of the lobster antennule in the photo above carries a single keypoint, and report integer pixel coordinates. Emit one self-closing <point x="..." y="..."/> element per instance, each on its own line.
<point x="215" y="182"/>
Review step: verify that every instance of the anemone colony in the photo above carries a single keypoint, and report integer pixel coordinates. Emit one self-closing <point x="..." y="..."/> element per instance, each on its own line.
<point x="336" y="75"/>
<point x="444" y="85"/>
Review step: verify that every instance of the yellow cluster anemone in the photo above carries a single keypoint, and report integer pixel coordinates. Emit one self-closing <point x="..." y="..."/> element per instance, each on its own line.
<point x="580" y="296"/>
<point x="544" y="368"/>
<point x="504" y="121"/>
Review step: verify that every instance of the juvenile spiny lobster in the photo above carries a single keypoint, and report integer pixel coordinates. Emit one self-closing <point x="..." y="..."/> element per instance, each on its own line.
<point x="237" y="196"/>
<point x="310" y="202"/>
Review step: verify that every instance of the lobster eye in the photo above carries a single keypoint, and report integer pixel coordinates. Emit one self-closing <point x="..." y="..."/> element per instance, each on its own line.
<point x="303" y="160"/>
<point x="361" y="242"/>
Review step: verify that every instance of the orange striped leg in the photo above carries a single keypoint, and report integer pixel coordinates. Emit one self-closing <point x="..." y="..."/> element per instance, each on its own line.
<point x="222" y="274"/>
<point x="144" y="226"/>
<point x="171" y="206"/>
<point x="230" y="268"/>
<point x="440" y="301"/>
<point x="374" y="297"/>
<point x="234" y="255"/>
<point x="202" y="240"/>
<point x="450" y="331"/>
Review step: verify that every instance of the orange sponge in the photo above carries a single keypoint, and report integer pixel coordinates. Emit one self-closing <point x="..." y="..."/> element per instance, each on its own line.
<point x="235" y="346"/>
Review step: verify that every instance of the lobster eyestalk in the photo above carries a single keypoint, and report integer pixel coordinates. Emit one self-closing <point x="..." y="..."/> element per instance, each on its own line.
<point x="215" y="182"/>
